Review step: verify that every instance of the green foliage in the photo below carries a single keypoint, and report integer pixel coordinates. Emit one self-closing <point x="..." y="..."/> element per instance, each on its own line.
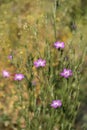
<point x="29" y="35"/>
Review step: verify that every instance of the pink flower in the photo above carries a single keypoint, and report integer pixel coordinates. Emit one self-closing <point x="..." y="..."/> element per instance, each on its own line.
<point x="10" y="57"/>
<point x="56" y="103"/>
<point x="59" y="45"/>
<point x="18" y="77"/>
<point x="40" y="63"/>
<point x="5" y="73"/>
<point x="66" y="73"/>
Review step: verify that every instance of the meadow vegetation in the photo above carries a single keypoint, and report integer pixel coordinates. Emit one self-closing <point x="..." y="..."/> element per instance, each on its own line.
<point x="43" y="66"/>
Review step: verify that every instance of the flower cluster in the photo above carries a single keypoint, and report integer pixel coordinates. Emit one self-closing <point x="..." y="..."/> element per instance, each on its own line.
<point x="66" y="73"/>
<point x="6" y="74"/>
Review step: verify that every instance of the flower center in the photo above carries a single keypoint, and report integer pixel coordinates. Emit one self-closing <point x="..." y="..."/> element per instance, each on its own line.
<point x="67" y="73"/>
<point x="40" y="63"/>
<point x="56" y="103"/>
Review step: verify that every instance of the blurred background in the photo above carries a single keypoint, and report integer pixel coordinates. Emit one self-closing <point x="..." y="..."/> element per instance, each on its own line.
<point x="29" y="23"/>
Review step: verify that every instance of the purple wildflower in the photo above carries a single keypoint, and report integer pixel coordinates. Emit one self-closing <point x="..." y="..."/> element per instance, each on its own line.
<point x="59" y="45"/>
<point x="56" y="103"/>
<point x="18" y="76"/>
<point x="10" y="57"/>
<point x="40" y="63"/>
<point x="66" y="73"/>
<point x="5" y="73"/>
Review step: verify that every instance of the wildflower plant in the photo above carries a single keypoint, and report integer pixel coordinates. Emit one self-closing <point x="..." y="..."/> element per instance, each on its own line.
<point x="51" y="84"/>
<point x="56" y="104"/>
